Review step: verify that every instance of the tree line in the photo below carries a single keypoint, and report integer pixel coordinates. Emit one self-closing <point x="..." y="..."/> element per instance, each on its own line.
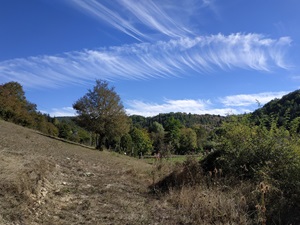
<point x="102" y="122"/>
<point x="101" y="111"/>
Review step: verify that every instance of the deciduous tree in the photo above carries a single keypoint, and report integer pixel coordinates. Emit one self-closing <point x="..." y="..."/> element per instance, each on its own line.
<point x="14" y="106"/>
<point x="101" y="111"/>
<point x="187" y="141"/>
<point x="173" y="132"/>
<point x="141" y="141"/>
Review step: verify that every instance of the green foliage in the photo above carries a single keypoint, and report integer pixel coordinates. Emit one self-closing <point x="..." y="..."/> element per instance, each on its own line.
<point x="141" y="141"/>
<point x="284" y="111"/>
<point x="157" y="128"/>
<point x="187" y="141"/>
<point x="15" y="108"/>
<point x="101" y="111"/>
<point x="157" y="135"/>
<point x="173" y="132"/>
<point x="45" y="125"/>
<point x="202" y="136"/>
<point x="64" y="130"/>
<point x="295" y="126"/>
<point x="139" y="121"/>
<point x="164" y="130"/>
<point x="248" y="151"/>
<point x="186" y="119"/>
<point x="126" y="144"/>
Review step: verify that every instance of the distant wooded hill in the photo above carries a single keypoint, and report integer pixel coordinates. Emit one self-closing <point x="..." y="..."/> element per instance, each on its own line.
<point x="186" y="119"/>
<point x="284" y="112"/>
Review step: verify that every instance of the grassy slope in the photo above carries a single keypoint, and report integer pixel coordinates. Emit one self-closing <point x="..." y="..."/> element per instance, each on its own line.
<point x="45" y="181"/>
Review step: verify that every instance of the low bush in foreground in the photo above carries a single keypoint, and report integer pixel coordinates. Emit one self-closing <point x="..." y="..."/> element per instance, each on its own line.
<point x="252" y="177"/>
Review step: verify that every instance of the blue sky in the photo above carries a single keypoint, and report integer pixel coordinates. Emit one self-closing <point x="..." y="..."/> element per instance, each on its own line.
<point x="193" y="56"/>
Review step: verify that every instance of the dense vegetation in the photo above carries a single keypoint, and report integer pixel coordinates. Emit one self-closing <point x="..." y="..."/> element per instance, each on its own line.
<point x="256" y="155"/>
<point x="285" y="112"/>
<point x="109" y="127"/>
<point x="267" y="157"/>
<point x="209" y="122"/>
<point x="14" y="107"/>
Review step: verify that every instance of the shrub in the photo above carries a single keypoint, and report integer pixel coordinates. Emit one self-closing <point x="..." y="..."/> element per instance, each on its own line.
<point x="249" y="152"/>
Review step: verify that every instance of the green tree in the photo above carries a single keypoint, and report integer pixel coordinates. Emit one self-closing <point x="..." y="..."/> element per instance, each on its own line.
<point x="15" y="108"/>
<point x="101" y="111"/>
<point x="202" y="136"/>
<point x="157" y="135"/>
<point x="13" y="105"/>
<point x="42" y="124"/>
<point x="187" y="141"/>
<point x="173" y="132"/>
<point x="141" y="141"/>
<point x="64" y="130"/>
<point x="157" y="128"/>
<point x="126" y="143"/>
<point x="295" y="126"/>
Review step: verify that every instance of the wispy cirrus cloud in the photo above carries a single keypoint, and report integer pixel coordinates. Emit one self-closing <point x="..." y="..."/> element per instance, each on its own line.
<point x="142" y="19"/>
<point x="202" y="54"/>
<point x="212" y="6"/>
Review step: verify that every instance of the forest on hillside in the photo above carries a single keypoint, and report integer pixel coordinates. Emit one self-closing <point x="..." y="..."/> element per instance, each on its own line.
<point x="285" y="112"/>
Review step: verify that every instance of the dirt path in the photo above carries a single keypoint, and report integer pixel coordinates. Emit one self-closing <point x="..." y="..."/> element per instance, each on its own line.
<point x="45" y="181"/>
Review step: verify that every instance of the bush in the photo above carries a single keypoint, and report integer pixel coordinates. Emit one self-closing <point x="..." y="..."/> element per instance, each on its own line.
<point x="271" y="156"/>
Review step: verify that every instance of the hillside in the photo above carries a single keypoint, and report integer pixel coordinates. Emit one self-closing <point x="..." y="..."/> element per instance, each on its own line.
<point x="186" y="119"/>
<point x="283" y="110"/>
<point x="45" y="181"/>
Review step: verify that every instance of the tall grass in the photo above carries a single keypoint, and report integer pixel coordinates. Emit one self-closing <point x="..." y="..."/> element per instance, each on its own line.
<point x="200" y="198"/>
<point x="212" y="197"/>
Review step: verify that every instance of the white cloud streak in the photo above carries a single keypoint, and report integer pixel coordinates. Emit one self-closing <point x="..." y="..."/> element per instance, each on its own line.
<point x="139" y="19"/>
<point x="57" y="112"/>
<point x="245" y="100"/>
<point x="234" y="104"/>
<point x="202" y="54"/>
<point x="198" y="106"/>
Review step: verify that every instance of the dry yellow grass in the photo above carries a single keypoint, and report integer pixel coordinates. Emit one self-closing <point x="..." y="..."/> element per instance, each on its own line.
<point x="46" y="181"/>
